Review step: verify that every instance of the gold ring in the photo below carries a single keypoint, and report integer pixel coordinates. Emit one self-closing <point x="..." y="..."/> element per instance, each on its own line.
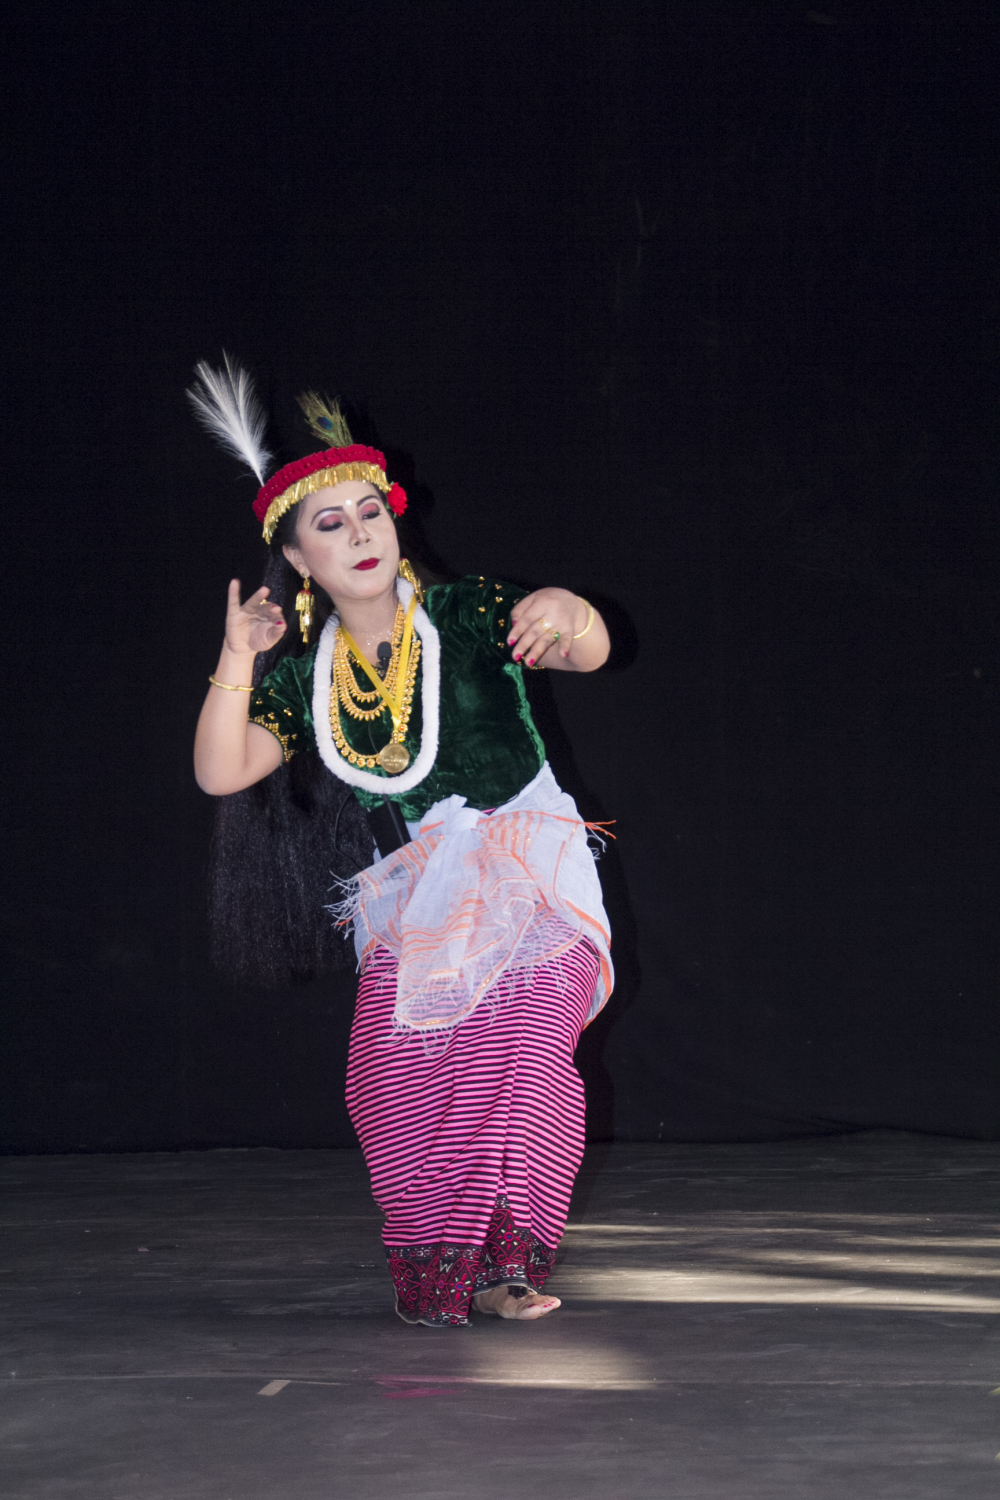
<point x="545" y="625"/>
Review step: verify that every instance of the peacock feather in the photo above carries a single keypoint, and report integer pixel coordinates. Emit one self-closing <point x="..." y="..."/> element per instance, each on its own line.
<point x="326" y="419"/>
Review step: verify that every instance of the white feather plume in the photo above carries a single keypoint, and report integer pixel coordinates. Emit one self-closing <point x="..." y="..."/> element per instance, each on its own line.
<point x="227" y="404"/>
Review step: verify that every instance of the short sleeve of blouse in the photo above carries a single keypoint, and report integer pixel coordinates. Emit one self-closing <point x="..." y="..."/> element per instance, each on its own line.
<point x="489" y="602"/>
<point x="282" y="704"/>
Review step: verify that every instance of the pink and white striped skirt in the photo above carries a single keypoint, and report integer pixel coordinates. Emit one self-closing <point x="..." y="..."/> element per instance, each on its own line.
<point x="472" y="1139"/>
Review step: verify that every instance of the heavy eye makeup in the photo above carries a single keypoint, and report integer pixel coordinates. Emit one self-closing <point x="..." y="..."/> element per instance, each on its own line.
<point x="332" y="520"/>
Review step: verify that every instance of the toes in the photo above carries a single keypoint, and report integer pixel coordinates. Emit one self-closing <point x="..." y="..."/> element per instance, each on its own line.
<point x="539" y="1308"/>
<point x="528" y="1306"/>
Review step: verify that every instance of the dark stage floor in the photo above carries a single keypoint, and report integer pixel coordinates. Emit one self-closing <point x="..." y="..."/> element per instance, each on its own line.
<point x="811" y="1319"/>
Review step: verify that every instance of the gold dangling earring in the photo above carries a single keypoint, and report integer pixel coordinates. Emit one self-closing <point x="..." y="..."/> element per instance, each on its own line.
<point x="304" y="605"/>
<point x="405" y="570"/>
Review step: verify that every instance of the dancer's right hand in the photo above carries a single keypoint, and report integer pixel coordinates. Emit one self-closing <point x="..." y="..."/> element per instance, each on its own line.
<point x="254" y="626"/>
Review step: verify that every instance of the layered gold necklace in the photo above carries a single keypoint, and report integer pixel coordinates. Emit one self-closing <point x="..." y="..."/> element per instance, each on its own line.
<point x="394" y="693"/>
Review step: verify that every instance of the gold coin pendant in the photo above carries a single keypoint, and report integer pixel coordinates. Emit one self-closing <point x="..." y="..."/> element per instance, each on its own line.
<point x="394" y="758"/>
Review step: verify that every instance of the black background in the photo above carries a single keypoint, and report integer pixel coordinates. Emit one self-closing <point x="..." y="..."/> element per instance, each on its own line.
<point x="689" y="307"/>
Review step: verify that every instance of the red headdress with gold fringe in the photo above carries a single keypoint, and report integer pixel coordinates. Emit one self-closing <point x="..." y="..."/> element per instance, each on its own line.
<point x="225" y="401"/>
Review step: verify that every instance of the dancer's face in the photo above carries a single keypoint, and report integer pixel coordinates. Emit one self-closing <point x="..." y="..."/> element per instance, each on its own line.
<point x="346" y="540"/>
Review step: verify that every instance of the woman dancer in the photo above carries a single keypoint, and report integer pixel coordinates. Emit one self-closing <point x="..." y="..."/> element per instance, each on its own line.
<point x="480" y="932"/>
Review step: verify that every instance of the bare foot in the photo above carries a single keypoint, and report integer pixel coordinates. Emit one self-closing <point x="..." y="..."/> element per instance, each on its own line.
<point x="503" y="1302"/>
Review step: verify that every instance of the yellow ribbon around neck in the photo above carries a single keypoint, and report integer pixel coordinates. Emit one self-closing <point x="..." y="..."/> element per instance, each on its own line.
<point x="393" y="702"/>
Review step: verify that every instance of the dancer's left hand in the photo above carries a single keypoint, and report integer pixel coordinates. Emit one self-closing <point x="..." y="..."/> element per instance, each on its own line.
<point x="545" y="621"/>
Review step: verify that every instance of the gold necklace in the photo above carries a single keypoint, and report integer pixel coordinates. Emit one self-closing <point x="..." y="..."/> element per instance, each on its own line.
<point x="345" y="693"/>
<point x="352" y="697"/>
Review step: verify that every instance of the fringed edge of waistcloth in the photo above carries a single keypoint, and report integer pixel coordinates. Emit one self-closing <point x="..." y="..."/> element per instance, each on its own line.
<point x="477" y="895"/>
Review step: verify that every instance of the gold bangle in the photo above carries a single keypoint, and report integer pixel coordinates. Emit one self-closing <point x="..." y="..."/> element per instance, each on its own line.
<point x="230" y="687"/>
<point x="590" y="619"/>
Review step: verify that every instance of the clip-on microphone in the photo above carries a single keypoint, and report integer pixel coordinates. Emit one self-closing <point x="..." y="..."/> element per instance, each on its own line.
<point x="387" y="823"/>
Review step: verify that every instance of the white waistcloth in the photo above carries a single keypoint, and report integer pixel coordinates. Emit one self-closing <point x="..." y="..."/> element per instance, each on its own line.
<point x="475" y="895"/>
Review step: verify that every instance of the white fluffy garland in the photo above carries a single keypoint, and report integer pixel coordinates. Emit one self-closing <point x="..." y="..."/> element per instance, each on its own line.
<point x="430" y="698"/>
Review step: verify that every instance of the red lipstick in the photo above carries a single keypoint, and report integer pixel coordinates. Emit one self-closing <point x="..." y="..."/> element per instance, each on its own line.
<point x="368" y="562"/>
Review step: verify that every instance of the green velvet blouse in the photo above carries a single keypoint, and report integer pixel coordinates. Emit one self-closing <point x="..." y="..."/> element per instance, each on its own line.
<point x="488" y="746"/>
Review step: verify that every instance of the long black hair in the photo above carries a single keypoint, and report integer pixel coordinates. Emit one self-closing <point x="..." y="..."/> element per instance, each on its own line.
<point x="279" y="846"/>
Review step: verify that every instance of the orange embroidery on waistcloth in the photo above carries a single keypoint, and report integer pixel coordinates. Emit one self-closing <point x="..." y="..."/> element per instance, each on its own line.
<point x="515" y="896"/>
